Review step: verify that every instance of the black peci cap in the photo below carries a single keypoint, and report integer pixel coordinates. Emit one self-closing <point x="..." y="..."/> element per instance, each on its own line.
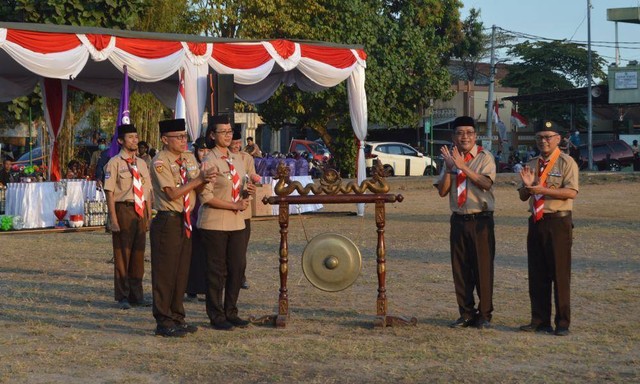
<point x="176" y="125"/>
<point x="464" y="121"/>
<point x="126" y="128"/>
<point x="218" y="119"/>
<point x="237" y="135"/>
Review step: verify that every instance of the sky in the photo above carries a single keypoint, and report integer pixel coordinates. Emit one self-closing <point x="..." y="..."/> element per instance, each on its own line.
<point x="564" y="19"/>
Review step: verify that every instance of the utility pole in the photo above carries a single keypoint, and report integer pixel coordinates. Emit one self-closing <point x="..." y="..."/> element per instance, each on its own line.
<point x="492" y="79"/>
<point x="589" y="96"/>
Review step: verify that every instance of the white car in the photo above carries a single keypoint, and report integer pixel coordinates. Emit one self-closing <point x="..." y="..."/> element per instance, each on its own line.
<point x="399" y="159"/>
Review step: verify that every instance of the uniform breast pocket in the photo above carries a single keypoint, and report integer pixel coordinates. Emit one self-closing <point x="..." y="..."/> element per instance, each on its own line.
<point x="125" y="175"/>
<point x="554" y="181"/>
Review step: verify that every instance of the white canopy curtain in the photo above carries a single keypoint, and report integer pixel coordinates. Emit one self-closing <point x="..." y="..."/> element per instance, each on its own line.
<point x="92" y="59"/>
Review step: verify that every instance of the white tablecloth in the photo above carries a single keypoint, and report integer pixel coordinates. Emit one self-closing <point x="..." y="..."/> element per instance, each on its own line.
<point x="35" y="202"/>
<point x="297" y="208"/>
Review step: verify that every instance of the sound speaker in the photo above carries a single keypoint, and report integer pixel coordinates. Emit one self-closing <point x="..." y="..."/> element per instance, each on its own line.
<point x="221" y="95"/>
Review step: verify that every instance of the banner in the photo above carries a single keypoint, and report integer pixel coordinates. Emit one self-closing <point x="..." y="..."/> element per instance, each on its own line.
<point x="123" y="114"/>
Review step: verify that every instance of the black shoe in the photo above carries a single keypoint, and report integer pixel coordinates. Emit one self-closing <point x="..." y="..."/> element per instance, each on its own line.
<point x="463" y="323"/>
<point x="170" y="332"/>
<point x="238" y="322"/>
<point x="562" y="331"/>
<point x="536" y="328"/>
<point x="222" y="325"/>
<point x="188" y="328"/>
<point x="124" y="304"/>
<point x="245" y="285"/>
<point x="484" y="324"/>
<point x="143" y="303"/>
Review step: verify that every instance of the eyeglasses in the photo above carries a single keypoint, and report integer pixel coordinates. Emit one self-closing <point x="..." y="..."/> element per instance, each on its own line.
<point x="545" y="137"/>
<point x="179" y="137"/>
<point x="465" y="133"/>
<point x="226" y="133"/>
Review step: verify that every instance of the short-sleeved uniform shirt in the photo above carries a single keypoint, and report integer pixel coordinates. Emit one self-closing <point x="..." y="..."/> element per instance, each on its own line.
<point x="250" y="166"/>
<point x="478" y="200"/>
<point x="221" y="219"/>
<point x="165" y="172"/>
<point x="119" y="179"/>
<point x="564" y="174"/>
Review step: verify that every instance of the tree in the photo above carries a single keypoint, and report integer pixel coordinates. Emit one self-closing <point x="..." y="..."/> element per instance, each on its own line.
<point x="475" y="48"/>
<point x="408" y="44"/>
<point x="548" y="67"/>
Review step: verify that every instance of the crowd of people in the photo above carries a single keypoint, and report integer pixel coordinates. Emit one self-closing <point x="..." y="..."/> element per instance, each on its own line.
<point x="549" y="182"/>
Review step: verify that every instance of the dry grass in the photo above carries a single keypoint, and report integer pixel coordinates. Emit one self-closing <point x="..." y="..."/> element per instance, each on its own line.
<point x="59" y="323"/>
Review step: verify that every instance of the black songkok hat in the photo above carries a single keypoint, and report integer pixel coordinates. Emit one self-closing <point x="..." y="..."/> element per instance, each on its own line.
<point x="201" y="143"/>
<point x="126" y="128"/>
<point x="176" y="125"/>
<point x="547" y="125"/>
<point x="237" y="135"/>
<point x="464" y="121"/>
<point x="218" y="119"/>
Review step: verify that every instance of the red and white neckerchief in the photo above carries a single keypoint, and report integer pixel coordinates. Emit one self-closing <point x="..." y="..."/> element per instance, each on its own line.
<point x="544" y="167"/>
<point x="461" y="182"/>
<point x="138" y="194"/>
<point x="185" y="198"/>
<point x="235" y="180"/>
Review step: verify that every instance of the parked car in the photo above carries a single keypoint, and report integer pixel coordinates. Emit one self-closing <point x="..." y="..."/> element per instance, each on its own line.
<point x="398" y="159"/>
<point x="318" y="150"/>
<point x="607" y="155"/>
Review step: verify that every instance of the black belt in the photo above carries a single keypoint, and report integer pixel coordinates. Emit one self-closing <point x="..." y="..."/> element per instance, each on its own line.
<point x="168" y="213"/>
<point x="473" y="216"/>
<point x="556" y="215"/>
<point x="127" y="203"/>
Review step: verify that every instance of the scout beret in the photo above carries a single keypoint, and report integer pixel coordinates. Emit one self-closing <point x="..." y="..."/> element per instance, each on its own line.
<point x="547" y="125"/>
<point x="175" y="125"/>
<point x="201" y="143"/>
<point x="464" y="121"/>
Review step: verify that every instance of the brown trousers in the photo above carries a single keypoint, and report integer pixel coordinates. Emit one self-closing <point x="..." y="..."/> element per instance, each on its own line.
<point x="226" y="262"/>
<point x="128" y="253"/>
<point x="170" y="259"/>
<point x="473" y="249"/>
<point x="549" y="257"/>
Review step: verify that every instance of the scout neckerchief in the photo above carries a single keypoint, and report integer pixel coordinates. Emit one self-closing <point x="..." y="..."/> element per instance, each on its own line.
<point x="138" y="194"/>
<point x="461" y="180"/>
<point x="185" y="198"/>
<point x="235" y="180"/>
<point x="544" y="167"/>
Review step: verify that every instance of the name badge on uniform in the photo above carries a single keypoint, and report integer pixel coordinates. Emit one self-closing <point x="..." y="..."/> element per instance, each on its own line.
<point x="555" y="173"/>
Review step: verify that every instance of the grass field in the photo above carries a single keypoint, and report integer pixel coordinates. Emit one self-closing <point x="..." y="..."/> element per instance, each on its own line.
<point x="59" y="323"/>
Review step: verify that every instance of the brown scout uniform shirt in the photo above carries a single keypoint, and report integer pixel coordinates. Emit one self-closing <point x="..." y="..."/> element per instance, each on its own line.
<point x="478" y="200"/>
<point x="119" y="180"/>
<point x="166" y="173"/>
<point x="250" y="166"/>
<point x="564" y="174"/>
<point x="221" y="219"/>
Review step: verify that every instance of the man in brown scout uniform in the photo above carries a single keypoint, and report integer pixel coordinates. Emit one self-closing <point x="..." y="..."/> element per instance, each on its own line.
<point x="128" y="191"/>
<point x="175" y="175"/>
<point x="467" y="177"/>
<point x="222" y="226"/>
<point x="249" y="181"/>
<point x="550" y="183"/>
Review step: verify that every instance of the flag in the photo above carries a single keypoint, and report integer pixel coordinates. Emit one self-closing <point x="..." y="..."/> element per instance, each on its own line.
<point x="179" y="112"/>
<point x="123" y="114"/>
<point x="496" y="116"/>
<point x="517" y="119"/>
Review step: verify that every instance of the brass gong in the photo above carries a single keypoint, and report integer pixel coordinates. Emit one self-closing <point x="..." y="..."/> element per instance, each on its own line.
<point x="331" y="262"/>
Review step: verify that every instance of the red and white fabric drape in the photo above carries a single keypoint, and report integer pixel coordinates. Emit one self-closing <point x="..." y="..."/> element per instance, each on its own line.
<point x="258" y="68"/>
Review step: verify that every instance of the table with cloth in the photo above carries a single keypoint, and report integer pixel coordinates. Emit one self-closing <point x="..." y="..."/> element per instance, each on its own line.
<point x="35" y="202"/>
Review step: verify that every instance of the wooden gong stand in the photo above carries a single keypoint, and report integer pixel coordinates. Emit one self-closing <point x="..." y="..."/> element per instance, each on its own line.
<point x="331" y="191"/>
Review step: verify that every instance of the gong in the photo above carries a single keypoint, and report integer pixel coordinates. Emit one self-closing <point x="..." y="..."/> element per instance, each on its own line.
<point x="331" y="262"/>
